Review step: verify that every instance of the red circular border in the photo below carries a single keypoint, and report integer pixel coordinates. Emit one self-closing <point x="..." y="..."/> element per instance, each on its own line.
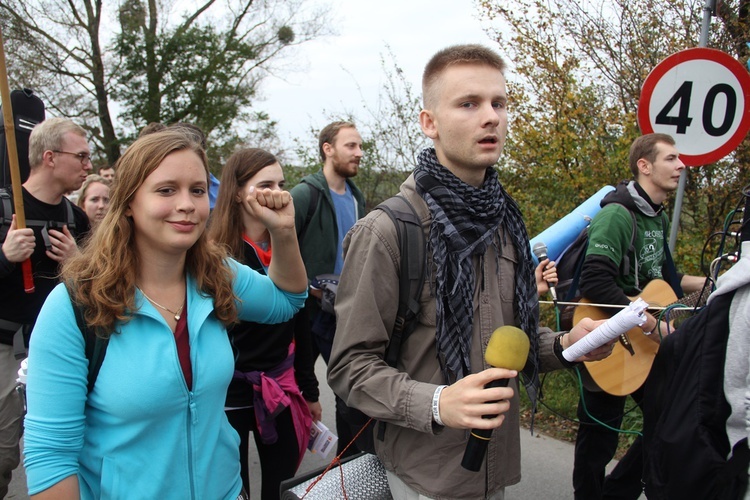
<point x="718" y="56"/>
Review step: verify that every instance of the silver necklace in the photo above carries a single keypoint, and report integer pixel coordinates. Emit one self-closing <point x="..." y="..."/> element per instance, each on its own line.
<point x="176" y="313"/>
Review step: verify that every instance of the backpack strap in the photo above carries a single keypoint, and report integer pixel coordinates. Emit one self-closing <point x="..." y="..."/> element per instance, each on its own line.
<point x="7" y="215"/>
<point x="95" y="346"/>
<point x="581" y="239"/>
<point x="311" y="208"/>
<point x="69" y="216"/>
<point x="411" y="242"/>
<point x="411" y="277"/>
<point x="625" y="264"/>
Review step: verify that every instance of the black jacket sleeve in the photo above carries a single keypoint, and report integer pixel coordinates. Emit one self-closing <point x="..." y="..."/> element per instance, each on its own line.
<point x="598" y="281"/>
<point x="304" y="363"/>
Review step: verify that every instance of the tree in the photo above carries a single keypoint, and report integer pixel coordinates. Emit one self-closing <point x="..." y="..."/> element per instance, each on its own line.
<point x="204" y="68"/>
<point x="581" y="65"/>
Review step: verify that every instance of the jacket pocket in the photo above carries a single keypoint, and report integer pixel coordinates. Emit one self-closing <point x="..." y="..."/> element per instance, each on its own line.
<point x="109" y="482"/>
<point x="507" y="274"/>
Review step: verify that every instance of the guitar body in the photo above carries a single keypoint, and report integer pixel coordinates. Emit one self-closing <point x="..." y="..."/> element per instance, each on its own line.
<point x="621" y="373"/>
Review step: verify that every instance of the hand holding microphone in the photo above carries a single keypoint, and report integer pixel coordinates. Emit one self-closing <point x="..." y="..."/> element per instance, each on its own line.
<point x="508" y="348"/>
<point x="540" y="251"/>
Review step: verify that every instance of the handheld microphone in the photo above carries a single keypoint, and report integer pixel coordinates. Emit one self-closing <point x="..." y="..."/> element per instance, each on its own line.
<point x="540" y="250"/>
<point x="508" y="348"/>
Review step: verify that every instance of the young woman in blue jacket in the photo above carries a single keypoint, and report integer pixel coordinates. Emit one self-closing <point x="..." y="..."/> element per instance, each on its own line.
<point x="274" y="393"/>
<point x="153" y="425"/>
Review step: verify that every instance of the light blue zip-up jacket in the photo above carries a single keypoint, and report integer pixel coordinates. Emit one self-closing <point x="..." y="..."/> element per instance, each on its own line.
<point x="140" y="434"/>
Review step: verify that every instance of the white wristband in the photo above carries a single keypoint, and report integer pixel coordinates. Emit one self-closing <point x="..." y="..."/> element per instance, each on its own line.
<point x="436" y="404"/>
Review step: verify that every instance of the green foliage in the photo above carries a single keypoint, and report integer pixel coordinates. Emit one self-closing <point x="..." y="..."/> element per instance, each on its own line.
<point x="285" y="35"/>
<point x="580" y="68"/>
<point x="160" y="62"/>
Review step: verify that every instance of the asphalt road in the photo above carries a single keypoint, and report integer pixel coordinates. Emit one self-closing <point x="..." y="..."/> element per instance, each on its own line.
<point x="547" y="464"/>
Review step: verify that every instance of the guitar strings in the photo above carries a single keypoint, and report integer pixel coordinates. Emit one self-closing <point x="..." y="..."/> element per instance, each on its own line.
<point x="673" y="307"/>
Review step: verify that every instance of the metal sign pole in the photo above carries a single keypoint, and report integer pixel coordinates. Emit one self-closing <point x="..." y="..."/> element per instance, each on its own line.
<point x="708" y="11"/>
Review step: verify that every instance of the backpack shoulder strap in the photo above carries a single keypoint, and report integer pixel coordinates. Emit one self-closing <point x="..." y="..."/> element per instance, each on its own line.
<point x="7" y="213"/>
<point x="411" y="243"/>
<point x="311" y="208"/>
<point x="95" y="347"/>
<point x="412" y="272"/>
<point x="625" y="264"/>
<point x="70" y="219"/>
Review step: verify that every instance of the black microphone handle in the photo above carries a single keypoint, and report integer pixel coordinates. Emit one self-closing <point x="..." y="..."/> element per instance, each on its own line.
<point x="476" y="448"/>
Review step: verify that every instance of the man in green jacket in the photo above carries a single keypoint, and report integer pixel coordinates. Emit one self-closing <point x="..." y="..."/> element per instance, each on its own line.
<point x="326" y="206"/>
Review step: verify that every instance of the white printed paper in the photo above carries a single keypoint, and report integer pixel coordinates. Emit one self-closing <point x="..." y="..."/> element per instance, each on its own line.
<point x="322" y="440"/>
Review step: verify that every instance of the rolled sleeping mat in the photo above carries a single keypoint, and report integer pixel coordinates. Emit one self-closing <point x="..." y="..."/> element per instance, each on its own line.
<point x="562" y="233"/>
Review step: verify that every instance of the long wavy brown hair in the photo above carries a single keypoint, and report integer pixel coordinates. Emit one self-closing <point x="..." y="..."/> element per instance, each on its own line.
<point x="226" y="219"/>
<point x="102" y="276"/>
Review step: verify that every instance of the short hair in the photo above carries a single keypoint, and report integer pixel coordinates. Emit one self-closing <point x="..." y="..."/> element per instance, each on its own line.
<point x="645" y="147"/>
<point x="226" y="219"/>
<point x="454" y="55"/>
<point x="90" y="179"/>
<point x="329" y="134"/>
<point x="48" y="135"/>
<point x="106" y="167"/>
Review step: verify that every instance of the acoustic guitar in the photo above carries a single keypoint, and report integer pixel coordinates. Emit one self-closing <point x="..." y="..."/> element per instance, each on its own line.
<point x="623" y="372"/>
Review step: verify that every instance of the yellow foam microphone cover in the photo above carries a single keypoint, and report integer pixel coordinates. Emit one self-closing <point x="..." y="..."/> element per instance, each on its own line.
<point x="508" y="348"/>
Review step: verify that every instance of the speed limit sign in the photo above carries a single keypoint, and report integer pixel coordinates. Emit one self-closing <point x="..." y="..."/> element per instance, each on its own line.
<point x="701" y="97"/>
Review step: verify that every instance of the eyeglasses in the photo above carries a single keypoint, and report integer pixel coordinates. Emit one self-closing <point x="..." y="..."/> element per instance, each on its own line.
<point x="83" y="157"/>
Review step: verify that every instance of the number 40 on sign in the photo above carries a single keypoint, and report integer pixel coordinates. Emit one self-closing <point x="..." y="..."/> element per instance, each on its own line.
<point x="701" y="97"/>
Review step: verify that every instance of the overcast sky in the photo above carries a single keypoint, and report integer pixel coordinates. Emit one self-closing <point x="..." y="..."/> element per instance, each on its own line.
<point x="333" y="67"/>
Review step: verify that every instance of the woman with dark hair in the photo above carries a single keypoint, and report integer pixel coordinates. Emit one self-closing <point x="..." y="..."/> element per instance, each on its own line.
<point x="150" y="281"/>
<point x="274" y="366"/>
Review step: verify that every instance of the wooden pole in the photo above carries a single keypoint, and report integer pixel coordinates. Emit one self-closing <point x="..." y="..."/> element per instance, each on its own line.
<point x="15" y="173"/>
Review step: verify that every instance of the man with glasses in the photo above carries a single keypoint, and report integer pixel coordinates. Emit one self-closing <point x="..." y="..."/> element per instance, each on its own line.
<point x="60" y="160"/>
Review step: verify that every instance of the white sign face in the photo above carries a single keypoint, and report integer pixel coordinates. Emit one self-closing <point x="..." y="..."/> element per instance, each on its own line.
<point x="701" y="97"/>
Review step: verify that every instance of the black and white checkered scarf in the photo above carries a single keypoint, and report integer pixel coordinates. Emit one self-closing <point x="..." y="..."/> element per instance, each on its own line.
<point x="465" y="222"/>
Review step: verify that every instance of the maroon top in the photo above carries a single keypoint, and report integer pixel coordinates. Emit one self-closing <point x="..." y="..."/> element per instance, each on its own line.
<point x="183" y="348"/>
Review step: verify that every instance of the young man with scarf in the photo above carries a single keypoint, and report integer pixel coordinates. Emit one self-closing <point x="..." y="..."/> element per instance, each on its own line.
<point x="480" y="277"/>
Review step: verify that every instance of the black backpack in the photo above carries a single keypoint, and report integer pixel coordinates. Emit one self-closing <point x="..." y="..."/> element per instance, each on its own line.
<point x="570" y="263"/>
<point x="28" y="110"/>
<point x="411" y="242"/>
<point x="685" y="412"/>
<point x="95" y="347"/>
